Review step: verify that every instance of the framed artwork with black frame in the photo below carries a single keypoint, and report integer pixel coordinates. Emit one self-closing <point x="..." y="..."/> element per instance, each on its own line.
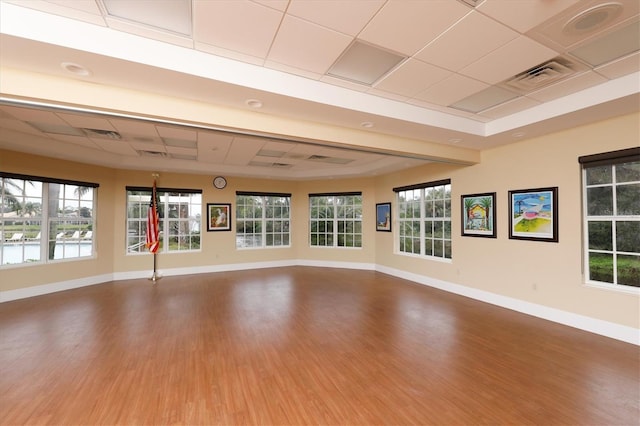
<point x="383" y="217"/>
<point x="533" y="214"/>
<point x="218" y="217"/>
<point x="479" y="215"/>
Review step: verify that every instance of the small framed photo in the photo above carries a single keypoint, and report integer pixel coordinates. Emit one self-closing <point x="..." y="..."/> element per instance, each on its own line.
<point x="479" y="215"/>
<point x="383" y="217"/>
<point x="533" y="214"/>
<point x="218" y="217"/>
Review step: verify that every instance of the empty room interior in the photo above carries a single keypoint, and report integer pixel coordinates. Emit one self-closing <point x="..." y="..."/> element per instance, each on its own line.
<point x="319" y="212"/>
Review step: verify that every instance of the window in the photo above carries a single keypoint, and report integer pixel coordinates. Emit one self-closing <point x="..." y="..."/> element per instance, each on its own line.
<point x="179" y="213"/>
<point x="335" y="219"/>
<point x="424" y="219"/>
<point x="263" y="220"/>
<point x="45" y="219"/>
<point x="611" y="209"/>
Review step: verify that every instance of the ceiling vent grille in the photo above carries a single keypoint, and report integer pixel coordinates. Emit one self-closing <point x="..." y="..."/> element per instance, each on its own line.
<point x="156" y="154"/>
<point x="542" y="75"/>
<point x="103" y="134"/>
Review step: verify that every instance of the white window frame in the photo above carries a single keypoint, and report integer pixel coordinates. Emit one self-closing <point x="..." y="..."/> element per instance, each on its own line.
<point x="336" y="234"/>
<point x="275" y="230"/>
<point x="419" y="195"/>
<point x="170" y="201"/>
<point x="71" y="234"/>
<point x="612" y="160"/>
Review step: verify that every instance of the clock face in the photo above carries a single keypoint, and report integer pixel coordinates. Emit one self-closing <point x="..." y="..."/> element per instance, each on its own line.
<point x="219" y="182"/>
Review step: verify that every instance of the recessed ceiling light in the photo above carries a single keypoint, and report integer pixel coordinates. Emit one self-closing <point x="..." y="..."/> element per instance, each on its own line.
<point x="455" y="140"/>
<point x="518" y="134"/>
<point x="253" y="103"/>
<point x="75" y="68"/>
<point x="366" y="124"/>
<point x="364" y="64"/>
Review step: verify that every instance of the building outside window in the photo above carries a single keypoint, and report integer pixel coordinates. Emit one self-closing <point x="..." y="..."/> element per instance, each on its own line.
<point x="179" y="214"/>
<point x="263" y="220"/>
<point x="335" y="220"/>
<point x="45" y="219"/>
<point x="424" y="219"/>
<point x="611" y="214"/>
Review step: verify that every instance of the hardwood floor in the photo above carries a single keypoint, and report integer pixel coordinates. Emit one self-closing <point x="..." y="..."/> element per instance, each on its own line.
<point x="301" y="345"/>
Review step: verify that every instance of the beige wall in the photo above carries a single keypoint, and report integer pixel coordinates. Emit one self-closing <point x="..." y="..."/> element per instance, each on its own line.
<point x="548" y="274"/>
<point x="544" y="273"/>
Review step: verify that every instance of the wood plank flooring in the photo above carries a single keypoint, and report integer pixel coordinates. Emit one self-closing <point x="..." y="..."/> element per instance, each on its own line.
<point x="298" y="346"/>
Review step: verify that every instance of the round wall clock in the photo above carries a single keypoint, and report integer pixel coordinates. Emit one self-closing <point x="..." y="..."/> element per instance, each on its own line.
<point x="219" y="182"/>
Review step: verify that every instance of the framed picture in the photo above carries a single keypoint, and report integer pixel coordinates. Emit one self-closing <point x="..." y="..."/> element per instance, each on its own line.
<point x="383" y="217"/>
<point x="218" y="217"/>
<point x="533" y="214"/>
<point x="479" y="215"/>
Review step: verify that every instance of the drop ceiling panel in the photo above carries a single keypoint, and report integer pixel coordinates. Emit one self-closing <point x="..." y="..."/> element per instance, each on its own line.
<point x="307" y="46"/>
<point x="451" y="90"/>
<point x="412" y="77"/>
<point x="280" y="5"/>
<point x="621" y="67"/>
<point x="242" y="151"/>
<point x="177" y="133"/>
<point x="510" y="107"/>
<point x="239" y="26"/>
<point x="463" y="39"/>
<point x="34" y="115"/>
<point x="116" y="147"/>
<point x="86" y="122"/>
<point x="568" y="86"/>
<point x="522" y="15"/>
<point x="414" y="23"/>
<point x="516" y="56"/>
<point x="348" y="17"/>
<point x="134" y="127"/>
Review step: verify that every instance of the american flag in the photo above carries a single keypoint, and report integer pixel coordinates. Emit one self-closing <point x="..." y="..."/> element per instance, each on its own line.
<point x="152" y="223"/>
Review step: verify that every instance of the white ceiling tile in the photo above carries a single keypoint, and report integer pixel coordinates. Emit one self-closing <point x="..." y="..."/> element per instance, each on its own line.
<point x="348" y="17"/>
<point x="230" y="54"/>
<point x="115" y="147"/>
<point x="510" y="107"/>
<point x="86" y="121"/>
<point x="149" y="32"/>
<point x="522" y="15"/>
<point x="451" y="90"/>
<point x="621" y="67"/>
<point x="407" y="26"/>
<point x="513" y="58"/>
<point x="280" y="5"/>
<point x="34" y="115"/>
<point x="134" y="127"/>
<point x="181" y="151"/>
<point x="568" y="86"/>
<point x="242" y="151"/>
<point x="412" y="77"/>
<point x="307" y="46"/>
<point x="177" y="133"/>
<point x="240" y="26"/>
<point x="292" y="70"/>
<point x="145" y="146"/>
<point x="463" y="39"/>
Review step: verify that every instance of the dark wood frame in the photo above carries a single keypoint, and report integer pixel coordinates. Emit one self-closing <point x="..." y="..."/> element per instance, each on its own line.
<point x="515" y="208"/>
<point x="211" y="218"/>
<point x="379" y="226"/>
<point x="469" y="232"/>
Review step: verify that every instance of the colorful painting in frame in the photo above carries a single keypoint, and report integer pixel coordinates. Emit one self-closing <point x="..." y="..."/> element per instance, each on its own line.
<point x="218" y="217"/>
<point x="533" y="214"/>
<point x="479" y="215"/>
<point x="383" y="217"/>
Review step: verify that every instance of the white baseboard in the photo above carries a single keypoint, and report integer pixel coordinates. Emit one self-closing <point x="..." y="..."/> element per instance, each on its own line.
<point x="604" y="328"/>
<point x="582" y="322"/>
<point x="38" y="290"/>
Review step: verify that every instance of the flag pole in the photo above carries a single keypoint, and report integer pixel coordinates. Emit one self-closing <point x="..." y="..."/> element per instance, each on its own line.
<point x="154" y="276"/>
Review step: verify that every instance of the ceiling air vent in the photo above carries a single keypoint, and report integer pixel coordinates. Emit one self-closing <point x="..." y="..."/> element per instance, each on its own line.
<point x="542" y="75"/>
<point x="157" y="154"/>
<point x="103" y="134"/>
